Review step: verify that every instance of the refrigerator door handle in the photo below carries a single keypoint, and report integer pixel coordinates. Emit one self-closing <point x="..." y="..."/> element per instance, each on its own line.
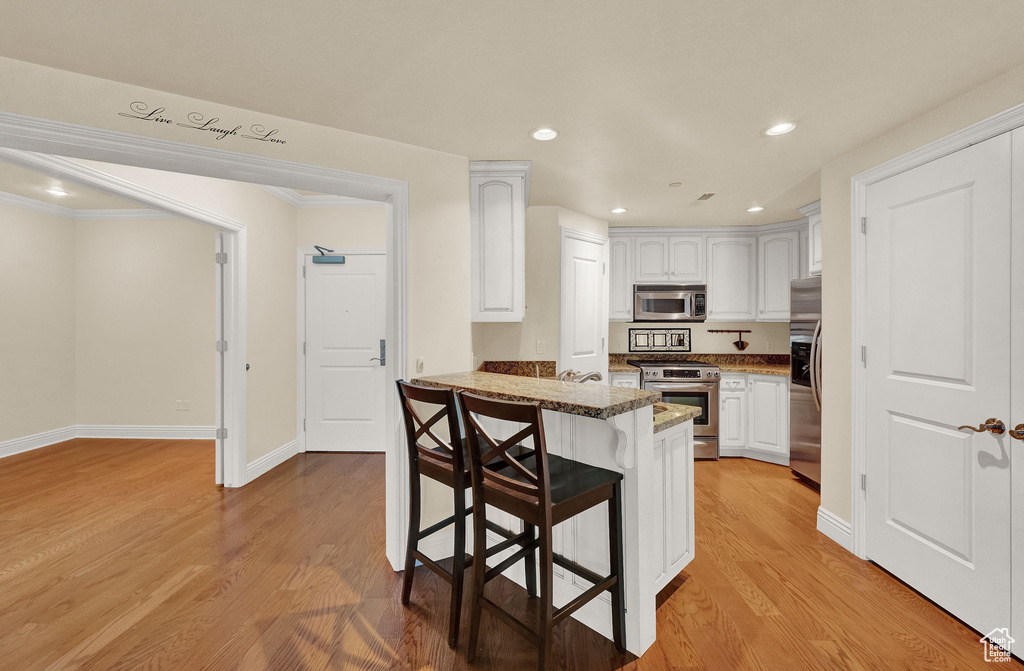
<point x="814" y="366"/>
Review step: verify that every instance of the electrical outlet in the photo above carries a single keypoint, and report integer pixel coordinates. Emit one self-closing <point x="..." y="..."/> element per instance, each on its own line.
<point x="177" y="406"/>
<point x="770" y="346"/>
<point x="188" y="405"/>
<point x="419" y="364"/>
<point x="540" y="347"/>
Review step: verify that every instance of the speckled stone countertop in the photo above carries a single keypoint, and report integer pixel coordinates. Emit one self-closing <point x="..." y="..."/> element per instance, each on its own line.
<point x="587" y="400"/>
<point x="757" y="364"/>
<point x="667" y="415"/>
<point x="521" y="368"/>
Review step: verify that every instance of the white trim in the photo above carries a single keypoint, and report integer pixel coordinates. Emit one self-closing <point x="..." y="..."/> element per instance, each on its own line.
<point x="321" y="201"/>
<point x="756" y="455"/>
<point x="810" y="208"/>
<point x="35" y="441"/>
<point x="300" y="332"/>
<point x="794" y="224"/>
<point x="141" y="431"/>
<point x="973" y="134"/>
<point x="835" y="528"/>
<point x="18" y="131"/>
<point x="271" y="460"/>
<point x="26" y="203"/>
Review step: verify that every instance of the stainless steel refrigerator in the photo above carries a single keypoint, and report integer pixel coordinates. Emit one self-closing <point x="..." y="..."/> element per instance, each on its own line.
<point x="805" y="378"/>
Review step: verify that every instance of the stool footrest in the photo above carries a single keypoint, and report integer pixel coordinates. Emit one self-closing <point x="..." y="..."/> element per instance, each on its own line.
<point x="515" y="557"/>
<point x="524" y="629"/>
<point x="523" y="539"/>
<point x="574" y="605"/>
<point x="434" y="528"/>
<point x="581" y="571"/>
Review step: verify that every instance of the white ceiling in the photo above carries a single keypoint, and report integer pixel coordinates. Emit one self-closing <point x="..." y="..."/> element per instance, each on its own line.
<point x="644" y="93"/>
<point x="31" y="184"/>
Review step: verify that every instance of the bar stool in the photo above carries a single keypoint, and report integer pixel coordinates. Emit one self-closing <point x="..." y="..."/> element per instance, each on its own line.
<point x="542" y="490"/>
<point x="443" y="463"/>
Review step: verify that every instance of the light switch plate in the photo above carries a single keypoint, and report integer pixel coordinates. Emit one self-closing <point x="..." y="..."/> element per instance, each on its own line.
<point x="419" y="364"/>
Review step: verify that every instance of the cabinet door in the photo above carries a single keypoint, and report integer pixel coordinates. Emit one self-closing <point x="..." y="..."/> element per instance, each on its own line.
<point x="731" y="278"/>
<point x="620" y="279"/>
<point x="814" y="244"/>
<point x="629" y="380"/>
<point x="498" y="248"/>
<point x="769" y="414"/>
<point x="651" y="258"/>
<point x="805" y="269"/>
<point x="732" y="416"/>
<point x="686" y="259"/>
<point x="778" y="262"/>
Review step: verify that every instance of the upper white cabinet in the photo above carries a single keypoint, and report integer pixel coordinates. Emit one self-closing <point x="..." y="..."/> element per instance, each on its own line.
<point x="677" y="259"/>
<point x="620" y="278"/>
<point x="732" y="263"/>
<point x="813" y="214"/>
<point x="499" y="193"/>
<point x="778" y="263"/>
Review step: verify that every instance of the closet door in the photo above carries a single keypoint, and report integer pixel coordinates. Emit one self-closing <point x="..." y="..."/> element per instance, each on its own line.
<point x="1016" y="446"/>
<point x="938" y="291"/>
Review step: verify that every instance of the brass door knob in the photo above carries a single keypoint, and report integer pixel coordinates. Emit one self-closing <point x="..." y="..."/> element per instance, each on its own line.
<point x="1017" y="432"/>
<point x="992" y="425"/>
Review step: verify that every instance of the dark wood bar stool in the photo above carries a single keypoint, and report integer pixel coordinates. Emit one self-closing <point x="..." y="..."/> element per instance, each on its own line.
<point x="542" y="490"/>
<point x="445" y="461"/>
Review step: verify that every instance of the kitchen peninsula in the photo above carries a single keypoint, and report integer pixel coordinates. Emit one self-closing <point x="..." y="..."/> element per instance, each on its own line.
<point x="629" y="431"/>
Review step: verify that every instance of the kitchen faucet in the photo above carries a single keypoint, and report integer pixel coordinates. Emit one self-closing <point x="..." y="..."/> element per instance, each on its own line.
<point x="570" y="375"/>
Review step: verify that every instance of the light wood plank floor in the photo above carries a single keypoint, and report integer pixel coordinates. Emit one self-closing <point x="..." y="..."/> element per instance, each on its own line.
<point x="122" y="554"/>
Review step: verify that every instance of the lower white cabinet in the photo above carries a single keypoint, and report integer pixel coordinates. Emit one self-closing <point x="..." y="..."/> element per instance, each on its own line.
<point x="672" y="492"/>
<point x="753" y="417"/>
<point x="630" y="380"/>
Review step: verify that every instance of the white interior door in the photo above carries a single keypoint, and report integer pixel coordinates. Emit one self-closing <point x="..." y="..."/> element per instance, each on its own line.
<point x="583" y="341"/>
<point x="938" y="291"/>
<point x="345" y="378"/>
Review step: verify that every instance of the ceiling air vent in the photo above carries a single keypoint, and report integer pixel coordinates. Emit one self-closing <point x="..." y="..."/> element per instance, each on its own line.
<point x="706" y="196"/>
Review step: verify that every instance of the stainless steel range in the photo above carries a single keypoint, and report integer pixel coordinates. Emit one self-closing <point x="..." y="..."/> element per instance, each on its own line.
<point x="688" y="383"/>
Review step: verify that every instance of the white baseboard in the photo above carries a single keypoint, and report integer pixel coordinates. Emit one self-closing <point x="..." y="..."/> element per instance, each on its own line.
<point x="35" y="441"/>
<point x="835" y="528"/>
<point x="759" y="455"/>
<point x="268" y="461"/>
<point x="146" y="431"/>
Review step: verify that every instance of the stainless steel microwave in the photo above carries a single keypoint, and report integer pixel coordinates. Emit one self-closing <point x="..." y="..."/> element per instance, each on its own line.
<point x="670" y="302"/>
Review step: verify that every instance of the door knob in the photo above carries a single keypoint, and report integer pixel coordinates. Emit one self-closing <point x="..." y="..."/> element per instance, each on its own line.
<point x="1017" y="432"/>
<point x="992" y="425"/>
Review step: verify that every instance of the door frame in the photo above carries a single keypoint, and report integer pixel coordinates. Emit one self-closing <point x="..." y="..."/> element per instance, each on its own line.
<point x="983" y="130"/>
<point x="300" y="333"/>
<point x="572" y="234"/>
<point x="57" y="138"/>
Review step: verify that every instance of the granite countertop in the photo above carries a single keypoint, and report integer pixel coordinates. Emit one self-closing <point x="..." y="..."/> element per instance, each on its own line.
<point x="667" y="415"/>
<point x="756" y="369"/>
<point x="587" y="400"/>
<point x="757" y="364"/>
<point x="621" y="367"/>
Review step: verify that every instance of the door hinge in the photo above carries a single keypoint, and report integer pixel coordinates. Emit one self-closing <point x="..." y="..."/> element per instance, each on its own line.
<point x="864" y="355"/>
<point x="602" y="344"/>
<point x="222" y="345"/>
<point x="303" y="424"/>
<point x="864" y="225"/>
<point x="863" y="482"/>
<point x="221" y="257"/>
<point x="222" y="433"/>
<point x="604" y="268"/>
<point x="303" y="271"/>
<point x="303" y="349"/>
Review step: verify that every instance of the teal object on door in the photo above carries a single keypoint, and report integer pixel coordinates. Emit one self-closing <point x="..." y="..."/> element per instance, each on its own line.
<point x="324" y="258"/>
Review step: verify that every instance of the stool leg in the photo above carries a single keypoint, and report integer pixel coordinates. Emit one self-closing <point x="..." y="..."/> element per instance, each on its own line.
<point x="546" y="611"/>
<point x="531" y="563"/>
<point x="412" y="542"/>
<point x="458" y="562"/>
<point x="619" y="589"/>
<point x="479" y="573"/>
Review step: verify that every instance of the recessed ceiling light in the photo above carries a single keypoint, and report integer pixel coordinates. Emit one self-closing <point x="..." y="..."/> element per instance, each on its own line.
<point x="57" y="191"/>
<point x="780" y="128"/>
<point x="544" y="134"/>
<point x="618" y="210"/>
<point x="756" y="208"/>
<point x="675" y="184"/>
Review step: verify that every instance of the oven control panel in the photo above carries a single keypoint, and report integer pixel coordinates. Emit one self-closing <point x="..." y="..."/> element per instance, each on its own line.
<point x="708" y="374"/>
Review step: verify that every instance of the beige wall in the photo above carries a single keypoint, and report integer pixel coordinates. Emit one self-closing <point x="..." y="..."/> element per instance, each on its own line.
<point x="519" y="341"/>
<point x="340" y="227"/>
<point x="764" y="337"/>
<point x="145" y="324"/>
<point x="991" y="98"/>
<point x="37" y="322"/>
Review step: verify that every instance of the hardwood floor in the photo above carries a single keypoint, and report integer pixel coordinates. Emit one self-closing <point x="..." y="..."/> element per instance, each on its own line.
<point x="122" y="554"/>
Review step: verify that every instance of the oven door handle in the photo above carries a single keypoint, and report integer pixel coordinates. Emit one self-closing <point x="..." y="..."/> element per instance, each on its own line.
<point x="684" y="386"/>
<point x="665" y="295"/>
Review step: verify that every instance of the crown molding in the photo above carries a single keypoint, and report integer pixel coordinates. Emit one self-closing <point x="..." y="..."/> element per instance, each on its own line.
<point x="302" y="202"/>
<point x="123" y="214"/>
<point x="810" y="209"/>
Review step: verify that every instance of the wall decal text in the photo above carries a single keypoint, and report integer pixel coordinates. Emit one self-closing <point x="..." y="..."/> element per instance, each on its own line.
<point x="196" y="121"/>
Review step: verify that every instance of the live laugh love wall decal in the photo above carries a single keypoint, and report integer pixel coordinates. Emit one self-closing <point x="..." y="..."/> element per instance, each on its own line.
<point x="197" y="121"/>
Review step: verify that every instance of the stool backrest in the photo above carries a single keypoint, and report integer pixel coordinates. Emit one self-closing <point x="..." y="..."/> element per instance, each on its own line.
<point x="488" y="454"/>
<point x="423" y="408"/>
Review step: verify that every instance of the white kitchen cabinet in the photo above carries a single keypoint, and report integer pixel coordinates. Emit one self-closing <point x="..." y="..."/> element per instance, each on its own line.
<point x="813" y="214"/>
<point x="686" y="259"/>
<point x="778" y="263"/>
<point x="620" y="279"/>
<point x="499" y="193"/>
<point x="805" y="270"/>
<point x="769" y="415"/>
<point x="651" y="254"/>
<point x="624" y="379"/>
<point x="672" y="547"/>
<point x="732" y="263"/>
<point x="732" y="412"/>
